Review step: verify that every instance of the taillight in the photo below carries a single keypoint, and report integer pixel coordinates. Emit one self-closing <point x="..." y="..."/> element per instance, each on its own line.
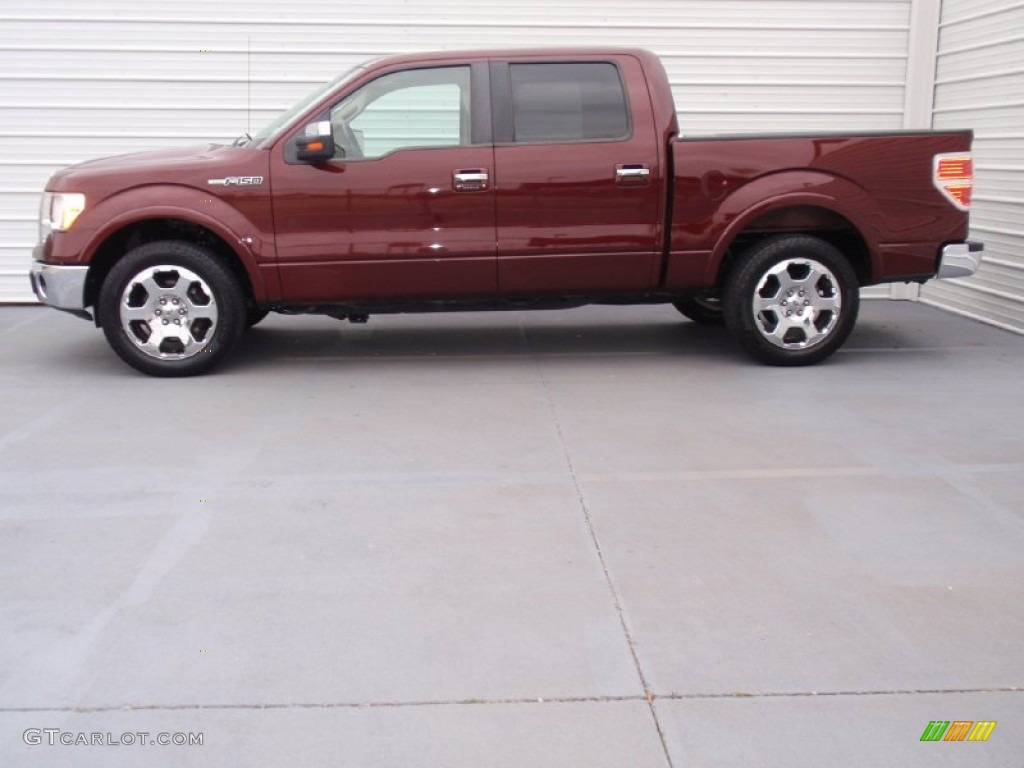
<point x="954" y="178"/>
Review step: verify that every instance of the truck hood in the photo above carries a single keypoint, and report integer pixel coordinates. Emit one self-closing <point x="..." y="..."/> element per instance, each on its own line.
<point x="189" y="166"/>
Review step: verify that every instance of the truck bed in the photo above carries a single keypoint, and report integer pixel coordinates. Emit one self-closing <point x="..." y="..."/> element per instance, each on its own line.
<point x="874" y="184"/>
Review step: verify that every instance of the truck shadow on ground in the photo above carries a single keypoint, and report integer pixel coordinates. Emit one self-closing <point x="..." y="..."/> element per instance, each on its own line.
<point x="448" y="340"/>
<point x="490" y="337"/>
<point x="454" y="339"/>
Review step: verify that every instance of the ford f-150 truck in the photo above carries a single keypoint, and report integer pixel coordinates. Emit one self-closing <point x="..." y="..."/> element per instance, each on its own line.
<point x="496" y="180"/>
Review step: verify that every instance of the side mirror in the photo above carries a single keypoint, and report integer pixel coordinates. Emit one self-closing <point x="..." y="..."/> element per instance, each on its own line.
<point x="316" y="144"/>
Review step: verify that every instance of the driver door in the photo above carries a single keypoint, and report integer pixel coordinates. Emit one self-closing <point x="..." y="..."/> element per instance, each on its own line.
<point x="406" y="209"/>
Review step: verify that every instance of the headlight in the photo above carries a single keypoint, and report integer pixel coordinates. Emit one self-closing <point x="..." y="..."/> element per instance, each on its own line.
<point x="58" y="211"/>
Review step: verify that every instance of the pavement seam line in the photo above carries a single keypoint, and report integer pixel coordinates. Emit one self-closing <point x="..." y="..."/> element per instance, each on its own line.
<point x="589" y="523"/>
<point x="518" y="702"/>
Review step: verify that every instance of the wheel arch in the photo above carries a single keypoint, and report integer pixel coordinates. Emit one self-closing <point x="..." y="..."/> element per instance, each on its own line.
<point x="118" y="240"/>
<point x="827" y="206"/>
<point x="814" y="220"/>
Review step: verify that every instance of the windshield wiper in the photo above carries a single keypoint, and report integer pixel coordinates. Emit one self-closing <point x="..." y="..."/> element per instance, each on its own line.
<point x="242" y="140"/>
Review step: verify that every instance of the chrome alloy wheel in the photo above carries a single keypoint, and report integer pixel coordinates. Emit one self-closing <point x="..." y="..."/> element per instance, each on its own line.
<point x="168" y="312"/>
<point x="797" y="304"/>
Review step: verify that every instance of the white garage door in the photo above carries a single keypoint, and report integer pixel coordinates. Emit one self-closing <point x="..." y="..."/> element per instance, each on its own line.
<point x="87" y="78"/>
<point x="980" y="85"/>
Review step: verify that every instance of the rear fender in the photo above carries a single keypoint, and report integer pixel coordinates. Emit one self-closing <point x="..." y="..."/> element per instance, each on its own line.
<point x="776" y="192"/>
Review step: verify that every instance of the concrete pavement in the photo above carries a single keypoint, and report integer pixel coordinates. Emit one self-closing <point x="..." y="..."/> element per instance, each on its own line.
<point x="599" y="537"/>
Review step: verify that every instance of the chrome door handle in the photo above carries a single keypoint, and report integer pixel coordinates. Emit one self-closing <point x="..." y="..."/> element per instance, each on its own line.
<point x="471" y="180"/>
<point x="632" y="173"/>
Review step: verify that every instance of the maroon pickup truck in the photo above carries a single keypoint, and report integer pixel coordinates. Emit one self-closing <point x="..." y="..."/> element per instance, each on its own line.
<point x="499" y="180"/>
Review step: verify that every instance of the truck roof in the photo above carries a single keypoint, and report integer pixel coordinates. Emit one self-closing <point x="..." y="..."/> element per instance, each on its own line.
<point x="511" y="53"/>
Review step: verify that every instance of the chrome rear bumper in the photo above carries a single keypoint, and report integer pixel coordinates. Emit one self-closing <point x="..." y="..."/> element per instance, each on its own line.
<point x="960" y="260"/>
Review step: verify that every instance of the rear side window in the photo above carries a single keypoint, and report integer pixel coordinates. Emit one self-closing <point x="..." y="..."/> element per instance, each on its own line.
<point x="568" y="102"/>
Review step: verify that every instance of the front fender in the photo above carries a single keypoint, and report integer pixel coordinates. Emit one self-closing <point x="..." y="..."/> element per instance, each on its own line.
<point x="249" y="238"/>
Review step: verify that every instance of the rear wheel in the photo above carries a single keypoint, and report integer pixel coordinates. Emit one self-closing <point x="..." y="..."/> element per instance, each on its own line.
<point x="793" y="300"/>
<point x="170" y="308"/>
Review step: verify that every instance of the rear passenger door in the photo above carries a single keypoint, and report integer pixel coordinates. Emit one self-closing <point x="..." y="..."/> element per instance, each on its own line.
<point x="578" y="181"/>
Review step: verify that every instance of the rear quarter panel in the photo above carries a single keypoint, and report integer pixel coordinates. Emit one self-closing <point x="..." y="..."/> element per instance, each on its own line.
<point x="881" y="184"/>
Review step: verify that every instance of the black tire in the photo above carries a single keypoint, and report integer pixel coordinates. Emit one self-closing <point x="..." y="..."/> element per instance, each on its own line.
<point x="807" y="298"/>
<point x="703" y="309"/>
<point x="171" y="308"/>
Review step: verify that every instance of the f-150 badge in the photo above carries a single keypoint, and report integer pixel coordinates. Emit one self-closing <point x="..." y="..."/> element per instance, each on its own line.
<point x="241" y="181"/>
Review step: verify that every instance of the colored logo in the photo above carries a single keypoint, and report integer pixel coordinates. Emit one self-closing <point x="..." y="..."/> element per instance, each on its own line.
<point x="958" y="730"/>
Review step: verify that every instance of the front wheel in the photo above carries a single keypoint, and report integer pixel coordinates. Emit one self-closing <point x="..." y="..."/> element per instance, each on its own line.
<point x="792" y="301"/>
<point x="171" y="308"/>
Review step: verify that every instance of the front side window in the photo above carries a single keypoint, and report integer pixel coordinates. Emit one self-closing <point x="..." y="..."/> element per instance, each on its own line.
<point x="568" y="102"/>
<point x="414" y="108"/>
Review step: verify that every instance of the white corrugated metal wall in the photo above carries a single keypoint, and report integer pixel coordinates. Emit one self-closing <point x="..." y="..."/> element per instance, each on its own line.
<point x="980" y="84"/>
<point x="87" y="78"/>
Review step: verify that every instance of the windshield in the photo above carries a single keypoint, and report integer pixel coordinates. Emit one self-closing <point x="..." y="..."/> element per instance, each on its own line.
<point x="284" y="120"/>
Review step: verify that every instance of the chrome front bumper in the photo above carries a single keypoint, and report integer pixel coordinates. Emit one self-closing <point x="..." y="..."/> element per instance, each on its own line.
<point x="960" y="260"/>
<point x="60" y="287"/>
